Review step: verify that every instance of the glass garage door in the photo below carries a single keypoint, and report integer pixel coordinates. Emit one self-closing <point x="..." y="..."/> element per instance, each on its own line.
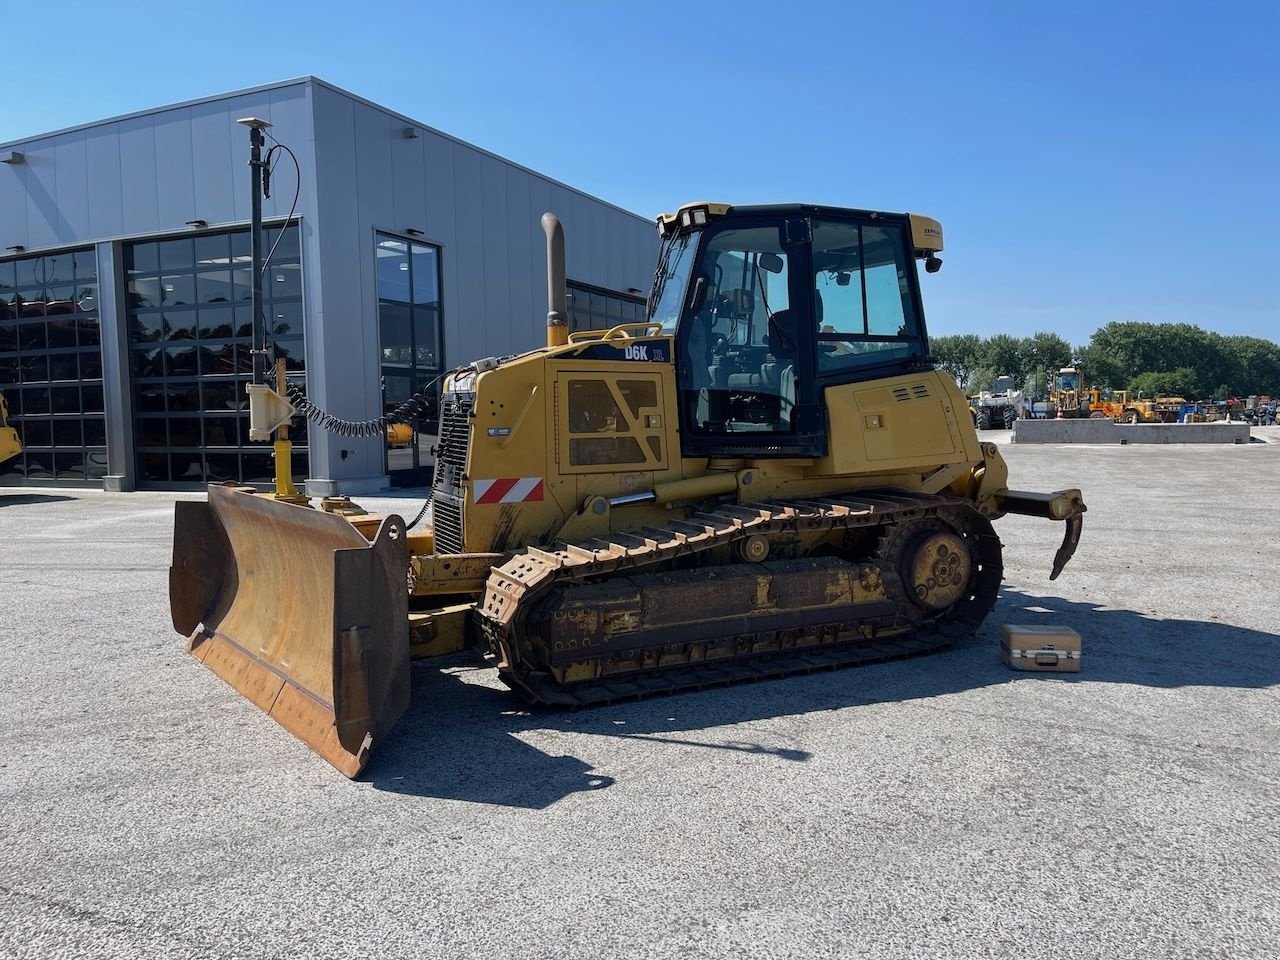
<point x="188" y="303"/>
<point x="51" y="367"/>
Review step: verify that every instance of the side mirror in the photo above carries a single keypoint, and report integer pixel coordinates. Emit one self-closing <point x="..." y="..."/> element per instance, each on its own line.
<point x="770" y="262"/>
<point x="932" y="264"/>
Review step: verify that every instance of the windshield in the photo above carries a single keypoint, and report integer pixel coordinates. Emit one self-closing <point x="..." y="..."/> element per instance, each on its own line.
<point x="669" y="285"/>
<point x="1002" y="385"/>
<point x="1068" y="381"/>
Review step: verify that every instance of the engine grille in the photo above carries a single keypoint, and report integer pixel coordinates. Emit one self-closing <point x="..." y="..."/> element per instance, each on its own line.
<point x="446" y="514"/>
<point x="447" y="492"/>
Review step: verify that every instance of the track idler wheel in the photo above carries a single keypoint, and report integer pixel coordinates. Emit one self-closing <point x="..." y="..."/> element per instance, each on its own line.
<point x="936" y="568"/>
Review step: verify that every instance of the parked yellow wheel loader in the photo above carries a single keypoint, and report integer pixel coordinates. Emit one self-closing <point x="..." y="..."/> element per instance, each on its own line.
<point x="10" y="445"/>
<point x="767" y="476"/>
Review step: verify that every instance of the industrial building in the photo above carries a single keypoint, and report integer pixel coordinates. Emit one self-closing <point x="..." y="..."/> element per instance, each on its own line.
<point x="125" y="281"/>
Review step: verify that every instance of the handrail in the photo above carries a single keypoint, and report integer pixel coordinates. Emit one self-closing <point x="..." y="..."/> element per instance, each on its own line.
<point x="614" y="333"/>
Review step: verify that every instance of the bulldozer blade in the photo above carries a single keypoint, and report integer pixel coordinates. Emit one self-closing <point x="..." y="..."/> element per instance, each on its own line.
<point x="300" y="613"/>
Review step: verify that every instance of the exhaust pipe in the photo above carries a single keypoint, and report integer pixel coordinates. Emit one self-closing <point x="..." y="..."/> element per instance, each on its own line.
<point x="557" y="307"/>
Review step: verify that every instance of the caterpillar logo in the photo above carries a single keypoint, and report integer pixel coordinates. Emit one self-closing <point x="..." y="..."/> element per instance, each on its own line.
<point x="638" y="352"/>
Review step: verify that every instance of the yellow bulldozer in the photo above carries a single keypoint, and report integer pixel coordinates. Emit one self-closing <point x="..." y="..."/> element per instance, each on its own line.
<point x="10" y="445"/>
<point x="766" y="476"/>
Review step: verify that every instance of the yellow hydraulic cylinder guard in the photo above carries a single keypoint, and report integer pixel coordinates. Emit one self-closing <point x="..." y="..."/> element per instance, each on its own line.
<point x="299" y="612"/>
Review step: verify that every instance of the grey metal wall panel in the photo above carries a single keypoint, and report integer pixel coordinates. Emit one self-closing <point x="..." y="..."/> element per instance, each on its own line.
<point x="175" y="184"/>
<point x="13" y="205"/>
<point x="45" y="224"/>
<point x="218" y="153"/>
<point x="138" y="163"/>
<point x="70" y="157"/>
<point x="102" y="162"/>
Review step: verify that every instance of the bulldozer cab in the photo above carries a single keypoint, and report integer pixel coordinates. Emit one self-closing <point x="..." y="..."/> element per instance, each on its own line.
<point x="770" y="305"/>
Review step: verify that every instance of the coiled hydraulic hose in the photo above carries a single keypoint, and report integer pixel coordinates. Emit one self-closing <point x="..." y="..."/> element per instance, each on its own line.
<point x="407" y="412"/>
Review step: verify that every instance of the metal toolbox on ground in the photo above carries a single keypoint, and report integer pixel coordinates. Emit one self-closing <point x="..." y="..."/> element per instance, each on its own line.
<point x="1045" y="649"/>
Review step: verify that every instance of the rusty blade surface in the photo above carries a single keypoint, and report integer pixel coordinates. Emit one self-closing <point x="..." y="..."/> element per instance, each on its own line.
<point x="300" y="613"/>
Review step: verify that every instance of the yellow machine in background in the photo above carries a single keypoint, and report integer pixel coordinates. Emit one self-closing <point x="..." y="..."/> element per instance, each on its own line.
<point x="1116" y="405"/>
<point x="10" y="445"/>
<point x="766" y="476"/>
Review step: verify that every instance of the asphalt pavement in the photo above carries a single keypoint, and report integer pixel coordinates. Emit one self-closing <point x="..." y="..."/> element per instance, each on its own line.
<point x="942" y="807"/>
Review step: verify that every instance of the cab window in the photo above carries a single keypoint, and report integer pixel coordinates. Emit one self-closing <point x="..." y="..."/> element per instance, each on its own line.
<point x="862" y="297"/>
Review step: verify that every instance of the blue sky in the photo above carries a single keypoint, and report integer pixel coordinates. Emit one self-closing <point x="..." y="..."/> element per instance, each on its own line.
<point x="1089" y="162"/>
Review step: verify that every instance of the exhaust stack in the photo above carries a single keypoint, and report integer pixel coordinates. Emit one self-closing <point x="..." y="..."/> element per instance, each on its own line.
<point x="557" y="308"/>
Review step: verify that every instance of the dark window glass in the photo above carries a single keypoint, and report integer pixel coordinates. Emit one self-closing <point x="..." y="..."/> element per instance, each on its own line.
<point x="151" y="432"/>
<point x="65" y="399"/>
<point x="180" y="324"/>
<point x="285" y="280"/>
<point x="35" y="369"/>
<point x="142" y="258"/>
<point x="177" y="254"/>
<point x="286" y="318"/>
<point x="155" y="466"/>
<point x="37" y="433"/>
<point x="221" y="467"/>
<point x="95" y="432"/>
<point x="35" y="400"/>
<point x="410" y="339"/>
<point x="213" y="251"/>
<point x="85" y="265"/>
<point x="214" y="287"/>
<point x="69" y="466"/>
<point x="67" y="432"/>
<point x="258" y="467"/>
<point x="146" y="325"/>
<point x="31" y="336"/>
<point x="63" y="366"/>
<point x="8" y="276"/>
<point x="177" y="289"/>
<point x="142" y="292"/>
<point x="95" y="461"/>
<point x="290" y="351"/>
<point x="39" y="465"/>
<point x="91" y="397"/>
<point x="216" y="323"/>
<point x="180" y="361"/>
<point x="286" y="248"/>
<point x="594" y="309"/>
<point x="190" y="325"/>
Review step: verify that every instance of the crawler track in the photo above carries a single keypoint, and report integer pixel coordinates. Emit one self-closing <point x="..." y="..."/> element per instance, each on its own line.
<point x="886" y="623"/>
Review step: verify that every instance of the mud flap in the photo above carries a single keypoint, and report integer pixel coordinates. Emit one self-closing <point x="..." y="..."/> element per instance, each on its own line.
<point x="1065" y="505"/>
<point x="300" y="613"/>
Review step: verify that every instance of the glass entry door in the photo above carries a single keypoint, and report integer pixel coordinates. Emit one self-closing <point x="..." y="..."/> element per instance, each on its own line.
<point x="409" y="327"/>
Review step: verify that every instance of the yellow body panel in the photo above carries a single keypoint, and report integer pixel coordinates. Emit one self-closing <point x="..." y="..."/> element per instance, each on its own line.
<point x="575" y="432"/>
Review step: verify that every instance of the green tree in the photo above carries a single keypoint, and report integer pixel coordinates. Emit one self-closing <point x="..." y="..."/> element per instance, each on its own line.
<point x="958" y="355"/>
<point x="1043" y="353"/>
<point x="1181" y="382"/>
<point x="1257" y="365"/>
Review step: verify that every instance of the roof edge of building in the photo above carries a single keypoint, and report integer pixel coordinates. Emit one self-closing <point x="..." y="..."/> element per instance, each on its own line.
<point x="317" y="81"/>
<point x="181" y="105"/>
<point x="471" y="146"/>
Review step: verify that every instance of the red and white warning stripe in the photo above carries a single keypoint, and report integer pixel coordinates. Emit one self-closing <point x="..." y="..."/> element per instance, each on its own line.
<point x="508" y="490"/>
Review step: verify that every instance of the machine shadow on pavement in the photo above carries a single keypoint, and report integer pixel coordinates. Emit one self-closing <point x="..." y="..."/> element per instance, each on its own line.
<point x="460" y="740"/>
<point x="22" y="499"/>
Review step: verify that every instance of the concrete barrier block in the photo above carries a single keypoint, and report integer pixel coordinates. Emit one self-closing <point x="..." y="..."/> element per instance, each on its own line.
<point x="1106" y="431"/>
